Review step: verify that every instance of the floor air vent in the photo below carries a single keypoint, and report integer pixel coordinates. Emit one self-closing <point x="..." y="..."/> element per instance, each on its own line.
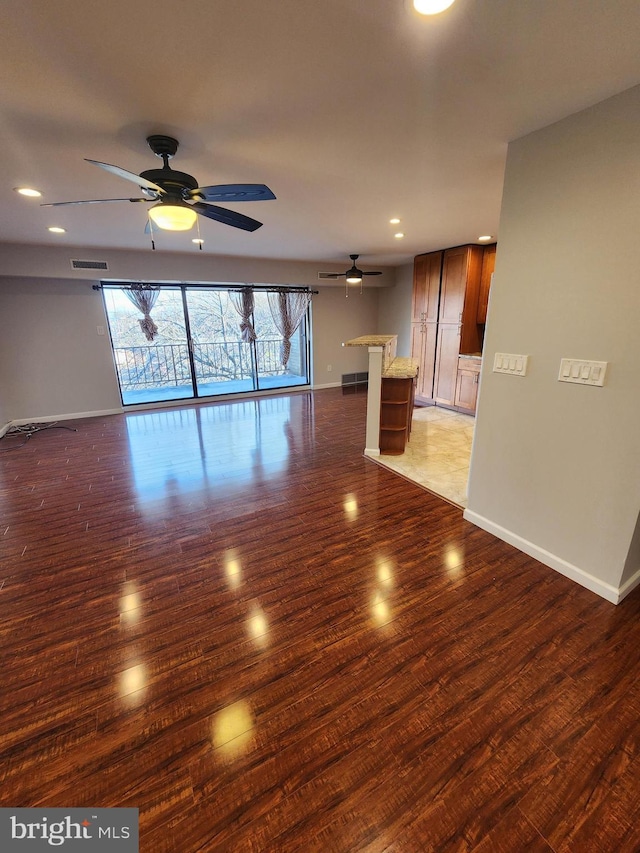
<point x="354" y="378"/>
<point x="89" y="265"/>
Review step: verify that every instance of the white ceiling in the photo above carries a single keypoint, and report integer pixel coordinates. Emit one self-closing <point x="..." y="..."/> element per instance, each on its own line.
<point x="351" y="111"/>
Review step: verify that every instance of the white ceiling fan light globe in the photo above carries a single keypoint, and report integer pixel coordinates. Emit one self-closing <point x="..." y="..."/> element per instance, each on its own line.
<point x="431" y="7"/>
<point x="173" y="217"/>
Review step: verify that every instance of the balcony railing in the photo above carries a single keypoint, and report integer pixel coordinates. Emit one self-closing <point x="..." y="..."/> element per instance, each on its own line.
<point x="167" y="365"/>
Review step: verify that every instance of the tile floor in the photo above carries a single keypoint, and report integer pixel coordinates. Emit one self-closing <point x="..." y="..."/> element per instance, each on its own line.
<point x="437" y="455"/>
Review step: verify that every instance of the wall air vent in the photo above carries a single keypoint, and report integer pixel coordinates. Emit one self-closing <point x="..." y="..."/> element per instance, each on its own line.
<point x="89" y="265"/>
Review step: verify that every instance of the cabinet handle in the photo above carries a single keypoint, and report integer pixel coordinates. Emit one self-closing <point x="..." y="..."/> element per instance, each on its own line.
<point x="476" y="378"/>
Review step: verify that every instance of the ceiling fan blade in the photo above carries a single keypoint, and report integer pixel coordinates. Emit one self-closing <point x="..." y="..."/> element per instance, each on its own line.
<point x="93" y="201"/>
<point x="227" y="217"/>
<point x="373" y="272"/>
<point x="128" y="176"/>
<point x="233" y="192"/>
<point x="333" y="274"/>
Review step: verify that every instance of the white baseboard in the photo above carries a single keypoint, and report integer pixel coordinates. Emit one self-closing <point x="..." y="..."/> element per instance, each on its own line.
<point x="4" y="429"/>
<point x="326" y="385"/>
<point x="604" y="590"/>
<point x="372" y="451"/>
<point x="630" y="585"/>
<point x="70" y="416"/>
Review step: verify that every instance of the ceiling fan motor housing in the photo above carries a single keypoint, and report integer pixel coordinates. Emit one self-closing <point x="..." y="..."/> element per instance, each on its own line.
<point x="173" y="182"/>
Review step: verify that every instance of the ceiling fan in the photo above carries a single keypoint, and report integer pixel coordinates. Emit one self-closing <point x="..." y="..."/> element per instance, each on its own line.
<point x="177" y="196"/>
<point x="352" y="275"/>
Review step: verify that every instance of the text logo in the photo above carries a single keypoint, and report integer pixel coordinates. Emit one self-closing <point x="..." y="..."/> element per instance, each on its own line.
<point x="103" y="830"/>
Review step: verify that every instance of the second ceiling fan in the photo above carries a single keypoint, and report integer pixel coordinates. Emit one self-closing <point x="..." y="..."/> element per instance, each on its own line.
<point x="354" y="275"/>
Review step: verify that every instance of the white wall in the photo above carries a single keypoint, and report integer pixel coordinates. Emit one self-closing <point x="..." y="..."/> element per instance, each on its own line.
<point x="394" y="312"/>
<point x="555" y="466"/>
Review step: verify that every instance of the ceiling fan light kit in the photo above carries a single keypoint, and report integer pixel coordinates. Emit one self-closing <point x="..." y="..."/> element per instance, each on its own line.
<point x="431" y="7"/>
<point x="176" y="216"/>
<point x="177" y="196"/>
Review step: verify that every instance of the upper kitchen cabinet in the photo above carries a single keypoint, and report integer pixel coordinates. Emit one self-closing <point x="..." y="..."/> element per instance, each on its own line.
<point x="486" y="276"/>
<point x="426" y="287"/>
<point x="459" y="294"/>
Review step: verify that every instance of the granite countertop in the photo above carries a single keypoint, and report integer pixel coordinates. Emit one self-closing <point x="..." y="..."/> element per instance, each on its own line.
<point x="477" y="355"/>
<point x="370" y="341"/>
<point x="401" y="368"/>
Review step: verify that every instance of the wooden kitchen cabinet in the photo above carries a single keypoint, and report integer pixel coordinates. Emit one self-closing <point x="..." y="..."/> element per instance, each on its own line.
<point x="423" y="348"/>
<point x="446" y="367"/>
<point x="427" y="271"/>
<point x="461" y="270"/>
<point x="467" y="381"/>
<point x="458" y="330"/>
<point x="486" y="275"/>
<point x="426" y="287"/>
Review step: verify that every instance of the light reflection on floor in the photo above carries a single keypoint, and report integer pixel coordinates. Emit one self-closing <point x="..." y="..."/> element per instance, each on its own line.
<point x="175" y="451"/>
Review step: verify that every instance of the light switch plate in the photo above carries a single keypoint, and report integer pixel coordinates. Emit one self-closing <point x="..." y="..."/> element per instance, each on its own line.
<point x="582" y="372"/>
<point x="506" y="362"/>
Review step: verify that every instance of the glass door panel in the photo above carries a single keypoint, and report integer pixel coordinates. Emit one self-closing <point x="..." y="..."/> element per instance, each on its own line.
<point x="150" y="371"/>
<point x="223" y="362"/>
<point x="270" y="371"/>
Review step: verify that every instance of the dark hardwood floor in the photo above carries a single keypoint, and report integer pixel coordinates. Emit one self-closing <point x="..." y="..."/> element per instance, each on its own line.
<point x="226" y="616"/>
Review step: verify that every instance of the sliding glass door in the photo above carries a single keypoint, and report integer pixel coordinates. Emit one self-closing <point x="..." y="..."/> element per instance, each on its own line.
<point x="150" y="371"/>
<point x="198" y="349"/>
<point x="222" y="361"/>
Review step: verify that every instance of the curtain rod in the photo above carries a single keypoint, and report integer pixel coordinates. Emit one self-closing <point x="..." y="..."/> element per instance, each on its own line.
<point x="276" y="288"/>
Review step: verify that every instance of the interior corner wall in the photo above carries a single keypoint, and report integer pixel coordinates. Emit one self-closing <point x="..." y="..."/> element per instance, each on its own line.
<point x="54" y="363"/>
<point x="556" y="466"/>
<point x="394" y="311"/>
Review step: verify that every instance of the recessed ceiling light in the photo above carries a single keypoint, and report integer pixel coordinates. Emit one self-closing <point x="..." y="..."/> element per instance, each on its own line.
<point x="399" y="235"/>
<point x="485" y="238"/>
<point x="28" y="192"/>
<point x="198" y="240"/>
<point x="55" y="229"/>
<point x="431" y="7"/>
<point x="394" y="221"/>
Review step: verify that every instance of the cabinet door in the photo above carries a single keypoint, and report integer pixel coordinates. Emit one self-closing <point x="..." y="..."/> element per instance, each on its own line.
<point x="488" y="265"/>
<point x="423" y="348"/>
<point x="427" y="366"/>
<point x="426" y="287"/>
<point x="467" y="390"/>
<point x="454" y="282"/>
<point x="446" y="372"/>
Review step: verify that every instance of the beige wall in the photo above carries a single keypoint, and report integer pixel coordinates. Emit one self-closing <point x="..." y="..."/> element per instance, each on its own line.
<point x="53" y="362"/>
<point x="337" y="319"/>
<point x="556" y="466"/>
<point x="394" y="312"/>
